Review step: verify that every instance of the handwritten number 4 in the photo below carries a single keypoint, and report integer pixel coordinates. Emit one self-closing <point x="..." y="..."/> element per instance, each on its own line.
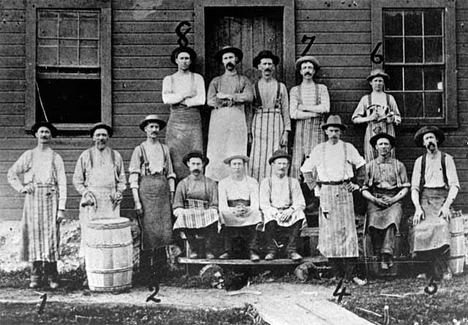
<point x="311" y="40"/>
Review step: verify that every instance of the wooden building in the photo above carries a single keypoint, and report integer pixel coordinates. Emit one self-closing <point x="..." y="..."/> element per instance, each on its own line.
<point x="80" y="61"/>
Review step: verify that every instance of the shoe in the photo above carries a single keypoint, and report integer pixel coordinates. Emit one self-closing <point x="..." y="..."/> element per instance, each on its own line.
<point x="422" y="276"/>
<point x="193" y="255"/>
<point x="447" y="276"/>
<point x="295" y="256"/>
<point x="254" y="257"/>
<point x="270" y="257"/>
<point x="390" y="261"/>
<point x="359" y="282"/>
<point x="383" y="265"/>
<point x="34" y="284"/>
<point x="224" y="256"/>
<point x="53" y="284"/>
<point x="209" y="256"/>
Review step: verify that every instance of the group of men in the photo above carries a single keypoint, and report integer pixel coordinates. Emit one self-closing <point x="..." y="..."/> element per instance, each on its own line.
<point x="215" y="193"/>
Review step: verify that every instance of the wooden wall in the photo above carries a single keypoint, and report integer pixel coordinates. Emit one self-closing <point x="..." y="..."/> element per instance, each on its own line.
<point x="143" y="37"/>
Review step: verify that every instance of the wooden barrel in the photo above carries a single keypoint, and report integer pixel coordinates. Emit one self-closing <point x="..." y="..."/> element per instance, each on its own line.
<point x="457" y="244"/>
<point x="109" y="256"/>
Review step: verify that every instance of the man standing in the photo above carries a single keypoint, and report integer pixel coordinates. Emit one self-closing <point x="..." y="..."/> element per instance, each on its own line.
<point x="227" y="94"/>
<point x="271" y="122"/>
<point x="196" y="206"/>
<point x="185" y="92"/>
<point x="282" y="204"/>
<point x="45" y="190"/>
<point x="152" y="181"/>
<point x="239" y="207"/>
<point x="100" y="179"/>
<point x="385" y="185"/>
<point x="333" y="162"/>
<point x="308" y="103"/>
<point x="434" y="187"/>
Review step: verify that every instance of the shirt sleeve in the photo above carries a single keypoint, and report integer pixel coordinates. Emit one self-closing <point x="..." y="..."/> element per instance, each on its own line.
<point x="213" y="195"/>
<point x="200" y="98"/>
<point x="310" y="164"/>
<point x="254" y="194"/>
<point x="354" y="157"/>
<point x="167" y="157"/>
<point x="212" y="91"/>
<point x="134" y="168"/>
<point x="61" y="182"/>
<point x="403" y="175"/>
<point x="246" y="94"/>
<point x="324" y="106"/>
<point x="416" y="177"/>
<point x="285" y="107"/>
<point x="19" y="167"/>
<point x="297" y="196"/>
<point x="452" y="176"/>
<point x="294" y="111"/>
<point x="265" y="195"/>
<point x="180" y="194"/>
<point x="121" y="179"/>
<point x="395" y="110"/>
<point x="79" y="174"/>
<point x="168" y="95"/>
<point x="222" y="195"/>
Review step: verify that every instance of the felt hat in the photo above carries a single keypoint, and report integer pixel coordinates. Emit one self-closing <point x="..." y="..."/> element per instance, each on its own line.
<point x="183" y="49"/>
<point x="229" y="49"/>
<point x="152" y="118"/>
<point x="377" y="73"/>
<point x="375" y="138"/>
<point x="334" y="120"/>
<point x="53" y="130"/>
<point x="101" y="125"/>
<point x="265" y="54"/>
<point x="307" y="58"/>
<point x="418" y="137"/>
<point x="195" y="154"/>
<point x="280" y="153"/>
<point x="227" y="161"/>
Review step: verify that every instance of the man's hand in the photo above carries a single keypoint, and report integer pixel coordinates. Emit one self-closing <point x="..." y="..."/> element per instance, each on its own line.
<point x="190" y="94"/>
<point x="60" y="216"/>
<point x="381" y="202"/>
<point x="27" y="189"/>
<point x="139" y="209"/>
<point x="284" y="139"/>
<point x="351" y="187"/>
<point x="179" y="212"/>
<point x="445" y="212"/>
<point x="116" y="198"/>
<point x="240" y="211"/>
<point x="286" y="214"/>
<point x="418" y="216"/>
<point x="374" y="116"/>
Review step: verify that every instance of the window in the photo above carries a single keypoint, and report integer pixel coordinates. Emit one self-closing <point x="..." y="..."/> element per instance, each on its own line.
<point x="68" y="55"/>
<point x="418" y="47"/>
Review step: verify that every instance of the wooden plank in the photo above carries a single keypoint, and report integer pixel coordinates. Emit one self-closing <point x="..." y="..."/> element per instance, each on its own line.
<point x="333" y="15"/>
<point x="12" y="14"/>
<point x="12" y="74"/>
<point x="141" y="50"/>
<point x="151" y="5"/>
<point x="337" y="49"/>
<point x="336" y="38"/>
<point x="344" y="4"/>
<point x="138" y="85"/>
<point x="11" y="39"/>
<point x="11" y="109"/>
<point x="141" y="73"/>
<point x="146" y="27"/>
<point x="12" y="96"/>
<point x="12" y="27"/>
<point x="12" y="62"/>
<point x="121" y="62"/>
<point x="12" y="85"/>
<point x="145" y="39"/>
<point x="246" y="262"/>
<point x="332" y="27"/>
<point x="137" y="97"/>
<point x="152" y="15"/>
<point x="12" y="50"/>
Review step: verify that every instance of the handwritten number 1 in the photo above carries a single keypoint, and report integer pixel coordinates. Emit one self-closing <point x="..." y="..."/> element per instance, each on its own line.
<point x="311" y="40"/>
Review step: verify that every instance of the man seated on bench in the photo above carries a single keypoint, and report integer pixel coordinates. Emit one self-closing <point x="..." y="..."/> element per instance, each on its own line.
<point x="283" y="205"/>
<point x="196" y="206"/>
<point x="239" y="207"/>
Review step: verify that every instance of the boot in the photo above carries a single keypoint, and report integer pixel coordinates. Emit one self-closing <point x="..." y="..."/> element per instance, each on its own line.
<point x="37" y="270"/>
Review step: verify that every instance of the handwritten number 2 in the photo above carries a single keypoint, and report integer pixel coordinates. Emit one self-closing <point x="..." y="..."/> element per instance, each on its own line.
<point x="311" y="40"/>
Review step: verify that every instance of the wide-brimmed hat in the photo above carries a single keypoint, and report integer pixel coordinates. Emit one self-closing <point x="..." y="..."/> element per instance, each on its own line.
<point x="280" y="153"/>
<point x="265" y="54"/>
<point x="375" y="138"/>
<point x="53" y="130"/>
<point x="418" y="137"/>
<point x="307" y="58"/>
<point x="334" y="120"/>
<point x="195" y="154"/>
<point x="227" y="161"/>
<point x="183" y="49"/>
<point x="229" y="49"/>
<point x="152" y="118"/>
<point x="101" y="125"/>
<point x="377" y="73"/>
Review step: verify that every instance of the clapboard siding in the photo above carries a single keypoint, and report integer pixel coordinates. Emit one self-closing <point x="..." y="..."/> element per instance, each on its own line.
<point x="143" y="36"/>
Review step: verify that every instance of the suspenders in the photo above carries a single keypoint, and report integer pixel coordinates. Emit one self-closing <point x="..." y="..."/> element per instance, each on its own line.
<point x="270" y="185"/>
<point x="422" y="181"/>
<point x="258" y="99"/>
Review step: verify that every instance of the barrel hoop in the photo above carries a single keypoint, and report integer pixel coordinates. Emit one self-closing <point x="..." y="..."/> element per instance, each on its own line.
<point x="125" y="244"/>
<point x="109" y="289"/>
<point x="104" y="271"/>
<point x="457" y="234"/>
<point x="101" y="226"/>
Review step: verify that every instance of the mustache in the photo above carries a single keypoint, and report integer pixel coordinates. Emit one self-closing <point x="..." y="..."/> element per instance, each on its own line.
<point x="430" y="143"/>
<point x="268" y="70"/>
<point x="307" y="74"/>
<point x="230" y="64"/>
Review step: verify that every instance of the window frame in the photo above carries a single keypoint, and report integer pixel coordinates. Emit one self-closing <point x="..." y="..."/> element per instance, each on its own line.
<point x="32" y="7"/>
<point x="450" y="103"/>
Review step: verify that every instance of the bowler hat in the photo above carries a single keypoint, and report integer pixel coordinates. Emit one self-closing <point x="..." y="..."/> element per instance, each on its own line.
<point x="152" y="118"/>
<point x="227" y="161"/>
<point x="307" y="58"/>
<point x="101" y="125"/>
<point x="280" y="153"/>
<point x="375" y="138"/>
<point x="334" y="120"/>
<point x="229" y="49"/>
<point x="418" y="137"/>
<point x="265" y="54"/>
<point x="53" y="130"/>
<point x="195" y="154"/>
<point x="183" y="49"/>
<point x="377" y="73"/>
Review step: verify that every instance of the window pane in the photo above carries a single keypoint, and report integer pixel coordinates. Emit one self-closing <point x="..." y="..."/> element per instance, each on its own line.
<point x="393" y="50"/>
<point x="433" y="49"/>
<point x="393" y="23"/>
<point x="69" y="25"/>
<point x="396" y="78"/>
<point x="68" y="52"/>
<point x="413" y="105"/>
<point x="413" y="49"/>
<point x="413" y="23"/>
<point x="433" y="22"/>
<point x="47" y="25"/>
<point x="413" y="78"/>
<point x="433" y="78"/>
<point x="47" y="51"/>
<point x="70" y="101"/>
<point x="399" y="100"/>
<point x="89" y="26"/>
<point x="89" y="53"/>
<point x="433" y="105"/>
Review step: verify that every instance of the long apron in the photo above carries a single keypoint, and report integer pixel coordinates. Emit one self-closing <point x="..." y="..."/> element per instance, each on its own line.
<point x="101" y="182"/>
<point x="432" y="232"/>
<point x="39" y="229"/>
<point x="381" y="217"/>
<point x="156" y="223"/>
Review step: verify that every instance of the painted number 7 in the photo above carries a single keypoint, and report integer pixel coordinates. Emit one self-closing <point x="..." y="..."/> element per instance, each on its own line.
<point x="304" y="40"/>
